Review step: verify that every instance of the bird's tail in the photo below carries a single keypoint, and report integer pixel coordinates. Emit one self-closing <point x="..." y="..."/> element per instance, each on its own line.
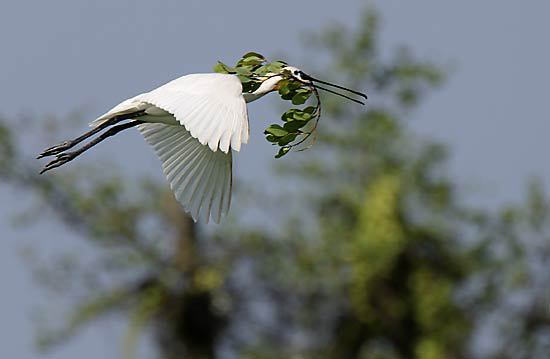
<point x="124" y="108"/>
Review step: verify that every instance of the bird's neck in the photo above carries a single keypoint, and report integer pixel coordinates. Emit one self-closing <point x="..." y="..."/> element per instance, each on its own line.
<point x="266" y="87"/>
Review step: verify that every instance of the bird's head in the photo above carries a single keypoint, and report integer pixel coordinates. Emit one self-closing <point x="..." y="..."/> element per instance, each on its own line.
<point x="291" y="72"/>
<point x="295" y="73"/>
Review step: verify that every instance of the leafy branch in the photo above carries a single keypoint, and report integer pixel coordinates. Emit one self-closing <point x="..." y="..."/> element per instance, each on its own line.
<point x="298" y="124"/>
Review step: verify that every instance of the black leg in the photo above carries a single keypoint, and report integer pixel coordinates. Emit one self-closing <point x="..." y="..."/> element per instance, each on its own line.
<point x="63" y="146"/>
<point x="65" y="157"/>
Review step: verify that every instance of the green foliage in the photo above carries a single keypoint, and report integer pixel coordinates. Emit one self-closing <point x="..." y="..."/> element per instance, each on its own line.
<point x="252" y="69"/>
<point x="511" y="262"/>
<point x="85" y="313"/>
<point x="295" y="122"/>
<point x="149" y="304"/>
<point x="7" y="149"/>
<point x="378" y="241"/>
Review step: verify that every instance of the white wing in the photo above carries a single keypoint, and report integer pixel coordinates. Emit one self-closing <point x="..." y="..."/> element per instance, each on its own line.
<point x="210" y="106"/>
<point x="200" y="178"/>
<point x="188" y="119"/>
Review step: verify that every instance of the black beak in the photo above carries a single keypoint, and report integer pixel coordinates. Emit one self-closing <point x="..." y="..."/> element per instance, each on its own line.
<point x="312" y="79"/>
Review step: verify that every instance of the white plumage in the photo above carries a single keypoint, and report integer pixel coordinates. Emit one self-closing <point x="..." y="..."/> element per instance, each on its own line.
<point x="188" y="120"/>
<point x="199" y="177"/>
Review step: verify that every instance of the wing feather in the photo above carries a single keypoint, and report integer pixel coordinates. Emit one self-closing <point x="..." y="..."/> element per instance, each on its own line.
<point x="213" y="182"/>
<point x="187" y="121"/>
<point x="200" y="178"/>
<point x="201" y="188"/>
<point x="210" y="106"/>
<point x="186" y="173"/>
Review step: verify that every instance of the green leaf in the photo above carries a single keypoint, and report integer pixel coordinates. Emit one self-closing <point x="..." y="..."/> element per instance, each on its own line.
<point x="309" y="109"/>
<point x="254" y="54"/>
<point x="291" y="115"/>
<point x="284" y="90"/>
<point x="272" y="67"/>
<point x="222" y="68"/>
<point x="300" y="98"/>
<point x="279" y="64"/>
<point x="276" y="130"/>
<point x="289" y="88"/>
<point x="288" y="115"/>
<point x="294" y="126"/>
<point x="244" y="71"/>
<point x="294" y="85"/>
<point x="283" y="151"/>
<point x="272" y="138"/>
<point x="287" y="139"/>
<point x="244" y="79"/>
<point x="275" y="67"/>
<point x="295" y="114"/>
<point x="302" y="116"/>
<point x="251" y="61"/>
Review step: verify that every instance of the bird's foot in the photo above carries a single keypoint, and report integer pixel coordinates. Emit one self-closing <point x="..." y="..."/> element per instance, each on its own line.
<point x="54" y="150"/>
<point x="60" y="159"/>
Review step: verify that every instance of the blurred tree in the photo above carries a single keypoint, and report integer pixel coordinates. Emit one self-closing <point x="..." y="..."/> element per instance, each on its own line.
<point x="381" y="262"/>
<point x="509" y="292"/>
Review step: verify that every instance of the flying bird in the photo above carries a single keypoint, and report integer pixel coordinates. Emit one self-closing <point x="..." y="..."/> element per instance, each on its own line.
<point x="193" y="123"/>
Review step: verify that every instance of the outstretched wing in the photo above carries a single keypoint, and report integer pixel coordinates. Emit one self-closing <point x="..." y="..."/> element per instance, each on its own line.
<point x="199" y="177"/>
<point x="210" y="106"/>
<point x="187" y="121"/>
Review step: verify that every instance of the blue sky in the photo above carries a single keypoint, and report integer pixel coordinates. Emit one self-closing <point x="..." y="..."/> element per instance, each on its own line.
<point x="61" y="56"/>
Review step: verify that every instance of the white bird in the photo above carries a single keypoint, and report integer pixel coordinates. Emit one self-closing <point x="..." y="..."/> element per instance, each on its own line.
<point x="193" y="123"/>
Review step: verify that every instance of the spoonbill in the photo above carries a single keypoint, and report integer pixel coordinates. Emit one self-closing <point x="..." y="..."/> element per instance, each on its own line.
<point x="193" y="123"/>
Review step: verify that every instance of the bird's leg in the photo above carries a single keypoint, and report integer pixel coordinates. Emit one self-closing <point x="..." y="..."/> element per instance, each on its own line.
<point x="63" y="146"/>
<point x="65" y="157"/>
